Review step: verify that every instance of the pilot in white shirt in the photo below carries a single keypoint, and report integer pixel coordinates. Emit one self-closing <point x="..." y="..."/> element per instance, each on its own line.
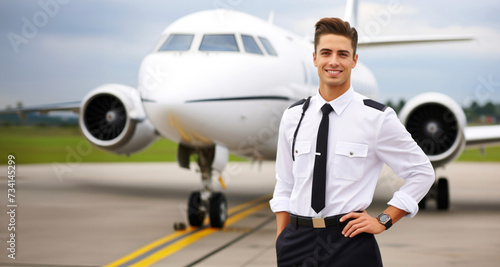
<point x="322" y="191"/>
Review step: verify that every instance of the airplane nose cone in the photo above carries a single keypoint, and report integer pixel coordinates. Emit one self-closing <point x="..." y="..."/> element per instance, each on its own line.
<point x="222" y="104"/>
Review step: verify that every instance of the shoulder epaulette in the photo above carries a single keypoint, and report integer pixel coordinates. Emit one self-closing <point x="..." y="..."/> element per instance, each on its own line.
<point x="298" y="103"/>
<point x="374" y="104"/>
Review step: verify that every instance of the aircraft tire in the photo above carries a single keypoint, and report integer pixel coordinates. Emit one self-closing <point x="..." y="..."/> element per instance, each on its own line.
<point x="218" y="210"/>
<point x="443" y="194"/>
<point x="195" y="214"/>
<point x="422" y="205"/>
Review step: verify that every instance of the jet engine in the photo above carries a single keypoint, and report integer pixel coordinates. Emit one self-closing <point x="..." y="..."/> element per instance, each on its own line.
<point x="436" y="122"/>
<point x="113" y="119"/>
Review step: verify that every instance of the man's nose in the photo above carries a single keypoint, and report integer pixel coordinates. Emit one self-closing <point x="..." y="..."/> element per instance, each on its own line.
<point x="333" y="61"/>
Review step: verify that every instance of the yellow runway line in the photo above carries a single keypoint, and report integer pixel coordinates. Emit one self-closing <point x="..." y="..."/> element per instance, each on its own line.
<point x="189" y="238"/>
<point x="248" y="204"/>
<point x="149" y="247"/>
<point x="178" y="245"/>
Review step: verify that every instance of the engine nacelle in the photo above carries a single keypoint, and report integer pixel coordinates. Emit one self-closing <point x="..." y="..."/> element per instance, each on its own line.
<point x="436" y="122"/>
<point x="113" y="119"/>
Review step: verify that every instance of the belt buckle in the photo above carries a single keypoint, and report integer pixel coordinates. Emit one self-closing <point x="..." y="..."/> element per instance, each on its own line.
<point x="318" y="222"/>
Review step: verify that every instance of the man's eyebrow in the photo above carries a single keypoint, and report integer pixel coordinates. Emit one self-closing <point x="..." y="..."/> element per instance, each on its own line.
<point x="329" y="50"/>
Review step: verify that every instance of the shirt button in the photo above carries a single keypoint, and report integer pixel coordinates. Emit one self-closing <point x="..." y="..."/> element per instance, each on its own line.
<point x="351" y="153"/>
<point x="296" y="151"/>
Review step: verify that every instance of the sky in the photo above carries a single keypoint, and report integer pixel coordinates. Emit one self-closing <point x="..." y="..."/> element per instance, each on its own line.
<point x="54" y="51"/>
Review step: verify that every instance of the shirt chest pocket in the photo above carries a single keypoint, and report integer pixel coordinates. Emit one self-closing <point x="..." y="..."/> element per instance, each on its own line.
<point x="349" y="160"/>
<point x="302" y="166"/>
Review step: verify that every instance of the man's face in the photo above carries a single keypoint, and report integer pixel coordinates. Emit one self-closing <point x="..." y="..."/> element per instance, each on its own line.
<point x="334" y="59"/>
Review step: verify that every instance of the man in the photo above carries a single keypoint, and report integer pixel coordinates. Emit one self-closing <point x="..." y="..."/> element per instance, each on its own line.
<point x="328" y="164"/>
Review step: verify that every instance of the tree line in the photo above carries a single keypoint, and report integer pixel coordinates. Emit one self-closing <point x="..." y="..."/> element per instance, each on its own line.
<point x="489" y="112"/>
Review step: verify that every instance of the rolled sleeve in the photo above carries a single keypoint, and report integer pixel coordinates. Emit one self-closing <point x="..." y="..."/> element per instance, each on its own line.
<point x="403" y="201"/>
<point x="281" y="196"/>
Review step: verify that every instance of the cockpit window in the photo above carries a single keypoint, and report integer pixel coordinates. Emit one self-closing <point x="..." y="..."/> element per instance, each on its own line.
<point x="219" y="42"/>
<point x="251" y="45"/>
<point x="267" y="45"/>
<point x="178" y="42"/>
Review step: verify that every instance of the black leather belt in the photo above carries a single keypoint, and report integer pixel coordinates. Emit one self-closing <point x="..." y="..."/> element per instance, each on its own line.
<point x="318" y="222"/>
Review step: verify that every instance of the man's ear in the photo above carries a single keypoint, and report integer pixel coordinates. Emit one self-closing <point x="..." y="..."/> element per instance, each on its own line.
<point x="355" y="61"/>
<point x="314" y="59"/>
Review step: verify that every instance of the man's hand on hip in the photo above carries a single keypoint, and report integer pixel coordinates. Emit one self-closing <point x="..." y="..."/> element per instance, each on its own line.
<point x="361" y="223"/>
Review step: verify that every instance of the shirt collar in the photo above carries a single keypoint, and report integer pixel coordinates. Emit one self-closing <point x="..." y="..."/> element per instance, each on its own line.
<point x="338" y="104"/>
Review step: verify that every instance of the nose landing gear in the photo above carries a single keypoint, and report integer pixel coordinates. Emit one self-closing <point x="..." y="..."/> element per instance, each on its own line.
<point x="206" y="202"/>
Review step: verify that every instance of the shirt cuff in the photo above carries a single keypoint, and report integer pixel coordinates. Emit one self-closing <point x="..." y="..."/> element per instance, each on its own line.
<point x="280" y="204"/>
<point x="403" y="201"/>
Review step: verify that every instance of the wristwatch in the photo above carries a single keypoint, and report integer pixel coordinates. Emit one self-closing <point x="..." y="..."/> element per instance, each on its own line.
<point x="385" y="220"/>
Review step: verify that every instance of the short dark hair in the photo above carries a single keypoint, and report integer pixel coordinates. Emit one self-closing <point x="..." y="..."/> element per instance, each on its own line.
<point x="338" y="27"/>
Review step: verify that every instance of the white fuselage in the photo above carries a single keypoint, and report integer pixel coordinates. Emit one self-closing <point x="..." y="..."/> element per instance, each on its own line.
<point x="199" y="96"/>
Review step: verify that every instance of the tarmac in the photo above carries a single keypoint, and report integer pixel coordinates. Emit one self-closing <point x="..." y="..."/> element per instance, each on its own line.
<point x="120" y="214"/>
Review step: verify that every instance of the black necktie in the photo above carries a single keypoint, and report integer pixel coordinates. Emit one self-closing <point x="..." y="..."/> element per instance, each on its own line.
<point x="319" y="175"/>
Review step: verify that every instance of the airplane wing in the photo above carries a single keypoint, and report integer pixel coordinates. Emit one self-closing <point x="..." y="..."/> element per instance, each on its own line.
<point x="480" y="136"/>
<point x="371" y="41"/>
<point x="68" y="106"/>
<point x="351" y="15"/>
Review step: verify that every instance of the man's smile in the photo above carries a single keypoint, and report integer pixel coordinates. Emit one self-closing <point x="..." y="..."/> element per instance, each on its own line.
<point x="334" y="73"/>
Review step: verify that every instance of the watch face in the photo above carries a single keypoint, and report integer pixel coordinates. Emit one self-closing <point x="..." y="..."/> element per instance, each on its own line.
<point x="384" y="218"/>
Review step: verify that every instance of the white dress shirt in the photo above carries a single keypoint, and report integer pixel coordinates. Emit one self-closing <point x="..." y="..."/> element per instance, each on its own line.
<point x="361" y="139"/>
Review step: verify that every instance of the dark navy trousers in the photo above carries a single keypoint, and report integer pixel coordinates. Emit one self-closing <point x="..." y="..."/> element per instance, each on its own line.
<point x="307" y="246"/>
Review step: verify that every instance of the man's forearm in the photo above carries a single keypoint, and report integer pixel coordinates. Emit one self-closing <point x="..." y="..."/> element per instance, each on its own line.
<point x="395" y="213"/>
<point x="282" y="220"/>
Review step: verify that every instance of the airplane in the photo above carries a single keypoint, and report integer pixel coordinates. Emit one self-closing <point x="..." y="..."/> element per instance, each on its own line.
<point x="218" y="82"/>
